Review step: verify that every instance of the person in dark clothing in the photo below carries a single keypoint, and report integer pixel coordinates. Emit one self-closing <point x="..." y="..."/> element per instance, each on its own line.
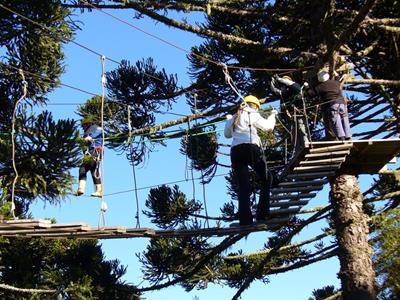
<point x="289" y="93"/>
<point x="245" y="152"/>
<point x="92" y="134"/>
<point x="334" y="107"/>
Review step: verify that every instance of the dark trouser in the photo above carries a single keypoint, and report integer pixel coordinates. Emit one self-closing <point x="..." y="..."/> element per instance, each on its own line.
<point x="92" y="166"/>
<point x="299" y="132"/>
<point x="340" y="120"/>
<point x="243" y="156"/>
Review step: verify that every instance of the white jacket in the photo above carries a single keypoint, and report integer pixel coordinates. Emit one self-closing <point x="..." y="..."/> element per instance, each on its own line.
<point x="246" y="130"/>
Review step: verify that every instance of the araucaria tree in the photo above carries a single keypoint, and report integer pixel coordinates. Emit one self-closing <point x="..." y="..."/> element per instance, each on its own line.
<point x="243" y="44"/>
<point x="44" y="152"/>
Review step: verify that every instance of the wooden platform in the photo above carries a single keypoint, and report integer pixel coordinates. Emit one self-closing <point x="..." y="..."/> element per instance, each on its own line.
<point x="317" y="162"/>
<point x="46" y="229"/>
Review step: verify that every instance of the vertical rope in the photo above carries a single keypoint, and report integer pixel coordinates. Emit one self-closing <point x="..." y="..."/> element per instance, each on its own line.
<point x="305" y="113"/>
<point x="137" y="216"/>
<point x="205" y="200"/>
<point x="24" y="93"/>
<point x="187" y="167"/>
<point x="136" y="197"/>
<point x="103" y="204"/>
<point x="202" y="174"/>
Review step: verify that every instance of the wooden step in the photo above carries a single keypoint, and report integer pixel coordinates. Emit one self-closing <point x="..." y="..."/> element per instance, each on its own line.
<point x="297" y="189"/>
<point x="289" y="203"/>
<point x="310" y="175"/>
<point x="327" y="154"/>
<point x="285" y="211"/>
<point x="292" y="196"/>
<point x="303" y="183"/>
<point x="328" y="161"/>
<point x="316" y="168"/>
<point x="331" y="148"/>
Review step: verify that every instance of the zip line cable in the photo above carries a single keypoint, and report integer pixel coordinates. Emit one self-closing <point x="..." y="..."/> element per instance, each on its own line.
<point x="202" y="57"/>
<point x="48" y="79"/>
<point x="157" y="185"/>
<point x="51" y="30"/>
<point x="24" y="91"/>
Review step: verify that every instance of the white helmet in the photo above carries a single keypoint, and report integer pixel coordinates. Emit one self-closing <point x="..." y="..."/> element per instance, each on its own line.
<point x="323" y="76"/>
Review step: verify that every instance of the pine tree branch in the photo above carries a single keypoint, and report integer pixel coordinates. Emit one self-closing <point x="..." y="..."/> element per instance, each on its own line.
<point x="334" y="296"/>
<point x="284" y="248"/>
<point x="202" y="262"/>
<point x="210" y="33"/>
<point x="185" y="6"/>
<point x="300" y="264"/>
<point x="283" y="241"/>
<point x="28" y="291"/>
<point x="368" y="49"/>
<point x="351" y="29"/>
<point x="383" y="21"/>
<point x="188" y="118"/>
<point x="390" y="28"/>
<point x="374" y="81"/>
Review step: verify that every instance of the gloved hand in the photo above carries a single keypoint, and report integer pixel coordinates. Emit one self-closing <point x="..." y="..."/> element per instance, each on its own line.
<point x="274" y="112"/>
<point x="272" y="83"/>
<point x="229" y="116"/>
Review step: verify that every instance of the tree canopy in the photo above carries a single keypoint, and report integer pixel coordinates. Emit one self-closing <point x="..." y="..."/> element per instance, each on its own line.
<point x="243" y="44"/>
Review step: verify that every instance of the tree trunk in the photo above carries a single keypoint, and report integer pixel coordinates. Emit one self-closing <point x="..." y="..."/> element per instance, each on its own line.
<point x="356" y="271"/>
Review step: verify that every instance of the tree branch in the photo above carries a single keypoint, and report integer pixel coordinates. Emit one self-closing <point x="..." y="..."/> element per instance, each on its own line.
<point x="288" y="247"/>
<point x="221" y="247"/>
<point x="29" y="291"/>
<point x="351" y="29"/>
<point x="274" y="250"/>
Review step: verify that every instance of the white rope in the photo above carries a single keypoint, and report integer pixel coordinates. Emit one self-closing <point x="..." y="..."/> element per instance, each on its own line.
<point x="129" y="126"/>
<point x="103" y="204"/>
<point x="24" y="93"/>
<point x="229" y="81"/>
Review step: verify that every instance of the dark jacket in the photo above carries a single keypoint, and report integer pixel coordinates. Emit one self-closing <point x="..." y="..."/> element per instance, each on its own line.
<point x="329" y="92"/>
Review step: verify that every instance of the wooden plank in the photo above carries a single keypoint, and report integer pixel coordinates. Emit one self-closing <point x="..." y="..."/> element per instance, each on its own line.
<point x="26" y="221"/>
<point x="328" y="161"/>
<point x="285" y="211"/>
<point x="316" y="168"/>
<point x="327" y="154"/>
<point x="291" y="196"/>
<point x="69" y="225"/>
<point x="302" y="183"/>
<point x="310" y="175"/>
<point x="332" y="148"/>
<point x="297" y="189"/>
<point x="289" y="203"/>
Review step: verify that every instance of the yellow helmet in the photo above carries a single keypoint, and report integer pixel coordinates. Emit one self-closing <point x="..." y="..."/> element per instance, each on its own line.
<point x="86" y="120"/>
<point x="287" y="77"/>
<point x="252" y="99"/>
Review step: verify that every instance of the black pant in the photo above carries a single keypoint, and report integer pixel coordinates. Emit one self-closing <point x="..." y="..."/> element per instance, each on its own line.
<point x="243" y="156"/>
<point x="90" y="164"/>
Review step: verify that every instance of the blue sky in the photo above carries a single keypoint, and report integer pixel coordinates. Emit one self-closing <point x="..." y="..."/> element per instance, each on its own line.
<point x="118" y="41"/>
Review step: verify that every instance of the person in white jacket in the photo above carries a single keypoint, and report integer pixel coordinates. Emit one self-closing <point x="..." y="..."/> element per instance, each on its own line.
<point x="246" y="151"/>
